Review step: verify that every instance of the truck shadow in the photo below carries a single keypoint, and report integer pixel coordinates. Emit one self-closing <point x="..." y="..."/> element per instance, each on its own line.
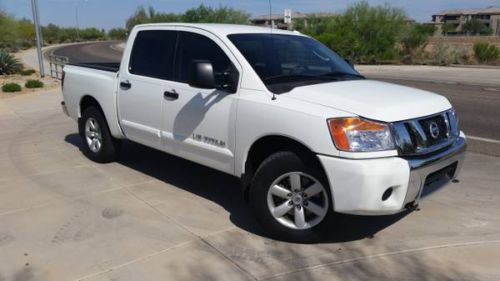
<point x="225" y="191"/>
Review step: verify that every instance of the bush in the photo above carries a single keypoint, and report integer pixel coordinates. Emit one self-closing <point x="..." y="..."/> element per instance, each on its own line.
<point x="117" y="33"/>
<point x="363" y="33"/>
<point x="34" y="84"/>
<point x="8" y="63"/>
<point x="486" y="52"/>
<point x="442" y="54"/>
<point x="475" y="27"/>
<point x="11" y="87"/>
<point x="413" y="41"/>
<point x="27" y="72"/>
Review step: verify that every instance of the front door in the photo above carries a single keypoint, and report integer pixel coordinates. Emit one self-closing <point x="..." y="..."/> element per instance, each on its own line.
<point x="199" y="123"/>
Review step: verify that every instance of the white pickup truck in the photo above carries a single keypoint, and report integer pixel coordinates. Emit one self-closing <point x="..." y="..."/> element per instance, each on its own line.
<point x="306" y="133"/>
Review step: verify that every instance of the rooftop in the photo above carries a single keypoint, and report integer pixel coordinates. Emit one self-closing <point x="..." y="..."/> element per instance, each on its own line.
<point x="219" y="28"/>
<point x="489" y="10"/>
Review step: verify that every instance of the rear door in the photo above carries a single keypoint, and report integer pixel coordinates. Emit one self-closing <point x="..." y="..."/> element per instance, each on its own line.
<point x="199" y="123"/>
<point x="142" y="85"/>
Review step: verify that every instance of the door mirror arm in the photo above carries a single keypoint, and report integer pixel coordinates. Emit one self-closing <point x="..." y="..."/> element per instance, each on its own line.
<point x="227" y="82"/>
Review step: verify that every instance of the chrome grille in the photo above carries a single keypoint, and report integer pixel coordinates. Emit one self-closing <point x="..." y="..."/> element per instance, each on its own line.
<point x="425" y="135"/>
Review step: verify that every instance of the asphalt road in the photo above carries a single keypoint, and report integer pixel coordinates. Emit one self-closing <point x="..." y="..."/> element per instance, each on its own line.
<point x="478" y="107"/>
<point x="90" y="52"/>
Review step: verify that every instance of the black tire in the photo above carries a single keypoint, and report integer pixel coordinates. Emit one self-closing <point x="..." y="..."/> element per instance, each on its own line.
<point x="271" y="169"/>
<point x="109" y="148"/>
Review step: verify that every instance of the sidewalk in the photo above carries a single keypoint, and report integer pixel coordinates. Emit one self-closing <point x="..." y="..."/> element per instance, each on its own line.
<point x="29" y="58"/>
<point x="458" y="75"/>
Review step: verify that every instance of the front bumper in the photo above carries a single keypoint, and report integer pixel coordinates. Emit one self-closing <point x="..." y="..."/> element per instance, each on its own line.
<point x="361" y="186"/>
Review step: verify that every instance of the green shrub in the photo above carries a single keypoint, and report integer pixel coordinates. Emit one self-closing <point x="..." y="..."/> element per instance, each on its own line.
<point x="486" y="52"/>
<point x="8" y="63"/>
<point x="363" y="33"/>
<point x="11" y="87"/>
<point x="27" y="72"/>
<point x="413" y="41"/>
<point x="34" y="84"/>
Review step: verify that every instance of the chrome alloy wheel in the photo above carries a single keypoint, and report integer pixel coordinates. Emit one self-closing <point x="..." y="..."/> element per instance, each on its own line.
<point x="93" y="135"/>
<point x="297" y="200"/>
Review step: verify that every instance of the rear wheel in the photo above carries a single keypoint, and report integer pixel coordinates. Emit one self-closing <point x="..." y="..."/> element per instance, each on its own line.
<point x="290" y="197"/>
<point x="98" y="144"/>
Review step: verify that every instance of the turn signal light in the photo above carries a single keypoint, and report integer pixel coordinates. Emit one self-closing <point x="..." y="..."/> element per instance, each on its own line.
<point x="357" y="134"/>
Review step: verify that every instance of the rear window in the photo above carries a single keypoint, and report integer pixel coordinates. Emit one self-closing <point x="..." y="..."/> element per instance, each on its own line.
<point x="153" y="54"/>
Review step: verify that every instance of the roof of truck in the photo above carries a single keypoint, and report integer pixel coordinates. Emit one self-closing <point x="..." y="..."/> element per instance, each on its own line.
<point x="223" y="29"/>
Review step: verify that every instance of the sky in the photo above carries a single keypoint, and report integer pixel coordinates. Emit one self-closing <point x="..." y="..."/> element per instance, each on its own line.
<point x="113" y="13"/>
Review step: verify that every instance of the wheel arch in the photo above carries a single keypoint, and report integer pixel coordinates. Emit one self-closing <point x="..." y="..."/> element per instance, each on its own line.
<point x="109" y="117"/>
<point x="87" y="101"/>
<point x="267" y="145"/>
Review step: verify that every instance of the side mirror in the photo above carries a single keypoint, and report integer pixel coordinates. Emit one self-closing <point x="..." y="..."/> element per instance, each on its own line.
<point x="201" y="74"/>
<point x="349" y="62"/>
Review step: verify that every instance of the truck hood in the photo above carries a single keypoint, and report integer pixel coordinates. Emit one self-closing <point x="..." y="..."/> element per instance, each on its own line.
<point x="373" y="99"/>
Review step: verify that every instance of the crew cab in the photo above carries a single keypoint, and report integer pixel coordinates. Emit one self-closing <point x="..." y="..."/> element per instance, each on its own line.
<point x="306" y="133"/>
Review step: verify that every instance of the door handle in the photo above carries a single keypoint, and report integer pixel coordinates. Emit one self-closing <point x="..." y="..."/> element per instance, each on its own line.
<point x="171" y="94"/>
<point x="125" y="85"/>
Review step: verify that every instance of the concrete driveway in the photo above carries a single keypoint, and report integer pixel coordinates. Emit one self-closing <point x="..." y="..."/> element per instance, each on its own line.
<point x="152" y="216"/>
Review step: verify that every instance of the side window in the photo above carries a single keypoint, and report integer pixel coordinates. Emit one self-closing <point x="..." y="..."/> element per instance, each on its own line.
<point x="193" y="46"/>
<point x="153" y="54"/>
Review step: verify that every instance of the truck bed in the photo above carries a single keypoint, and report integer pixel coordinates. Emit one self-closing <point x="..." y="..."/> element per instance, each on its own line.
<point x="105" y="66"/>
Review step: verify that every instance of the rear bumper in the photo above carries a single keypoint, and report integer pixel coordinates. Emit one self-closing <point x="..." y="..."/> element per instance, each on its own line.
<point x="386" y="185"/>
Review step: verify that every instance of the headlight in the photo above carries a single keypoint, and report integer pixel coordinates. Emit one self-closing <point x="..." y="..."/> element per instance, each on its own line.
<point x="360" y="135"/>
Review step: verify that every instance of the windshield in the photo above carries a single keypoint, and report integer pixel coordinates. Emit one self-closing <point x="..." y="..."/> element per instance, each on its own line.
<point x="284" y="62"/>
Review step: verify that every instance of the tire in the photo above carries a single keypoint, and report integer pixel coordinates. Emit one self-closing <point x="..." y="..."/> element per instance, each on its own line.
<point x="272" y="189"/>
<point x="98" y="144"/>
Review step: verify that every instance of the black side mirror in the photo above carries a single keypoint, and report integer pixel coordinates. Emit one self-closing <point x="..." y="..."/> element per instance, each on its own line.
<point x="201" y="74"/>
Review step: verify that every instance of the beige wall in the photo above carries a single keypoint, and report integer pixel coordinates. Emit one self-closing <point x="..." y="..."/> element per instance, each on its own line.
<point x="495" y="24"/>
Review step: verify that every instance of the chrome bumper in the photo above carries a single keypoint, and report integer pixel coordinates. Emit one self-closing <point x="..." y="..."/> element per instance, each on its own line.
<point x="64" y="109"/>
<point x="421" y="168"/>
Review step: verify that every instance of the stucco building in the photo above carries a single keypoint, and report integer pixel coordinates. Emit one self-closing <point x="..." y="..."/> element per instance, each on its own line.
<point x="457" y="18"/>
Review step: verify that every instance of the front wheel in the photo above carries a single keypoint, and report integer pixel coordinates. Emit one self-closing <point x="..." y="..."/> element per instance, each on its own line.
<point x="98" y="143"/>
<point x="290" y="197"/>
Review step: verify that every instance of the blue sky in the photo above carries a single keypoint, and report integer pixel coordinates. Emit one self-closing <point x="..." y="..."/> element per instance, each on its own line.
<point x="113" y="13"/>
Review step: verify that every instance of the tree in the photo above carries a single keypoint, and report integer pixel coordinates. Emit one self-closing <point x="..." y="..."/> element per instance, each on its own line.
<point x="362" y="33"/>
<point x="92" y="33"/>
<point x="415" y="38"/>
<point x="8" y="31"/>
<point x="142" y="16"/>
<point x="51" y="33"/>
<point x="474" y="26"/>
<point x="202" y="13"/>
<point x="118" y="33"/>
<point x="447" y="28"/>
<point x="26" y="33"/>
<point x="222" y="14"/>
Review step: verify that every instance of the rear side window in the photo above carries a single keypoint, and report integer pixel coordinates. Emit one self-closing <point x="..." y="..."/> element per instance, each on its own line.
<point x="153" y="54"/>
<point x="194" y="46"/>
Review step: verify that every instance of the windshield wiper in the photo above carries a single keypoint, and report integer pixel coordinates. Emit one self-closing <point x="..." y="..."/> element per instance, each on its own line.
<point x="287" y="76"/>
<point x="342" y="74"/>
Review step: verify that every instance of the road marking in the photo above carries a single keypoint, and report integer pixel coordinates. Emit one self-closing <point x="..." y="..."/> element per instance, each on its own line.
<point x="491" y="89"/>
<point x="483" y="139"/>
